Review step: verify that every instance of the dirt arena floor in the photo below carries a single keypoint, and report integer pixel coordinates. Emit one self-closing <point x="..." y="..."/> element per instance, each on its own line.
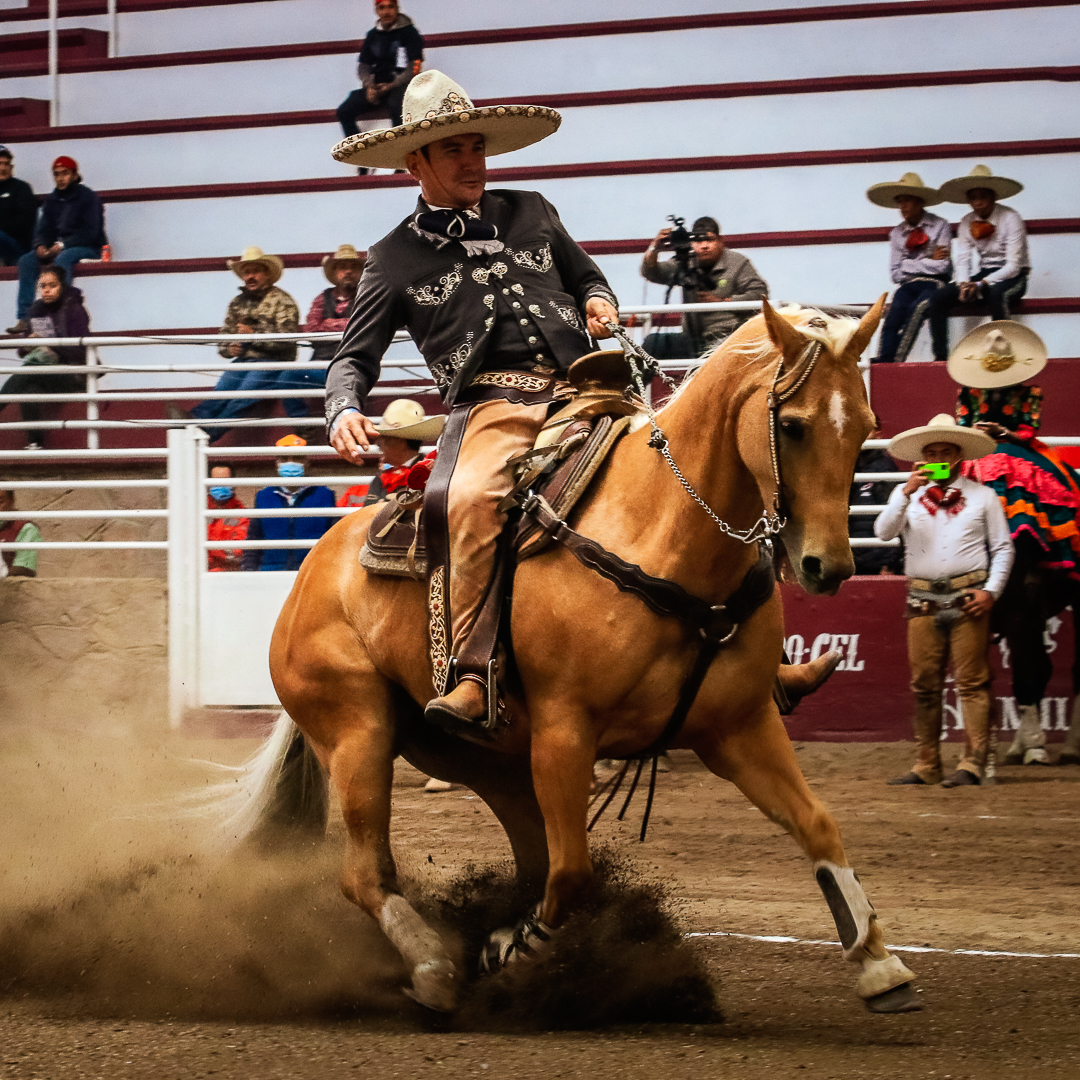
<point x="128" y="951"/>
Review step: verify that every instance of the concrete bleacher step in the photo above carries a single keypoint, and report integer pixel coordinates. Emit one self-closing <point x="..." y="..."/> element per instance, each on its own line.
<point x="28" y="53"/>
<point x="19" y="115"/>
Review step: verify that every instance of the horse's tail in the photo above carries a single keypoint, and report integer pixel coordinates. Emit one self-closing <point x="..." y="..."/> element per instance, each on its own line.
<point x="280" y="789"/>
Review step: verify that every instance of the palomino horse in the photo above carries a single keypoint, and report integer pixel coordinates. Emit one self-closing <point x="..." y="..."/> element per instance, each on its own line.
<point x="1032" y="595"/>
<point x="597" y="672"/>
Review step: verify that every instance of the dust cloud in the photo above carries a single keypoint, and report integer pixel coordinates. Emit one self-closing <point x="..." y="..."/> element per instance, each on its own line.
<point x="109" y="907"/>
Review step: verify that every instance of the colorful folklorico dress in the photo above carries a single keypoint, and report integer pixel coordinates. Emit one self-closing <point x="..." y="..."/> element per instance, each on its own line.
<point x="1039" y="491"/>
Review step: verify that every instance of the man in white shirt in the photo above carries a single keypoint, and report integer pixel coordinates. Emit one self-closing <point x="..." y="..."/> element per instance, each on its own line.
<point x="992" y="261"/>
<point x="918" y="264"/>
<point x="958" y="554"/>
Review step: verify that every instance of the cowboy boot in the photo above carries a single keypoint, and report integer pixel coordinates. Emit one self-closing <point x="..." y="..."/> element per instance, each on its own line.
<point x="1029" y="744"/>
<point x="463" y="710"/>
<point x="796" y="681"/>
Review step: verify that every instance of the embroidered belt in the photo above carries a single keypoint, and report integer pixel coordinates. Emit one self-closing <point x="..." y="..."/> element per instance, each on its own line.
<point x="520" y="387"/>
<point x="948" y="585"/>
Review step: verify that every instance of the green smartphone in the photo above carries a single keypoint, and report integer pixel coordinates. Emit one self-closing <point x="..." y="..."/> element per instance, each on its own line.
<point x="937" y="470"/>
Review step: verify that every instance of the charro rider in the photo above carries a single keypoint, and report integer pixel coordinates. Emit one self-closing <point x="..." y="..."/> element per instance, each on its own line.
<point x="500" y="301"/>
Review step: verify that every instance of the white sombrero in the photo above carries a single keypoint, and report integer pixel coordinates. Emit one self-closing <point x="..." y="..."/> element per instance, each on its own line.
<point x="405" y="419"/>
<point x="345" y="253"/>
<point x="256" y="255"/>
<point x="434" y="108"/>
<point x="909" y="184"/>
<point x="908" y="445"/>
<point x="955" y="190"/>
<point x="1000" y="353"/>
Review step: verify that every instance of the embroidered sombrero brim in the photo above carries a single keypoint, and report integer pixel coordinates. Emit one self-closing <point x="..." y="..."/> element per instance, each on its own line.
<point x="973" y="362"/>
<point x="908" y="445"/>
<point x="504" y="127"/>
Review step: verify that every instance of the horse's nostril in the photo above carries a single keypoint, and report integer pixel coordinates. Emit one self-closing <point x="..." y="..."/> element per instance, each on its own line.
<point x="811" y="566"/>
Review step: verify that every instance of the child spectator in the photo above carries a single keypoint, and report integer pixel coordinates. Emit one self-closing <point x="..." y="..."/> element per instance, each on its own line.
<point x="17" y="563"/>
<point x="58" y="312"/>
<point x="18" y="212"/>
<point x="287" y="528"/>
<point x="71" y="227"/>
<point x="222" y="496"/>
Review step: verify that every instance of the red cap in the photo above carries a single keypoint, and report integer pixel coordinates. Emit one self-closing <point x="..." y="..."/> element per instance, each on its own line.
<point x="64" y="162"/>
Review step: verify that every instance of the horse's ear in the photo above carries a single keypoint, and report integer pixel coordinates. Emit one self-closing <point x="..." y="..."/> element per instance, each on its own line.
<point x="861" y="338"/>
<point x="784" y="336"/>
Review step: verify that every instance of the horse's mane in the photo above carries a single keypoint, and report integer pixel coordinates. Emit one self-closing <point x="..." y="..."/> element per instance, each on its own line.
<point x="816" y="324"/>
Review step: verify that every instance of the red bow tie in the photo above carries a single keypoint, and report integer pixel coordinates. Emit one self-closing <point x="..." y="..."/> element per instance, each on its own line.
<point x="982" y="230"/>
<point x="915" y="239"/>
<point x="933" y="497"/>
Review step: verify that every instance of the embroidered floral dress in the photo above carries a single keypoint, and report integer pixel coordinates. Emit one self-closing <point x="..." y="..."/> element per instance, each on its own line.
<point x="1039" y="491"/>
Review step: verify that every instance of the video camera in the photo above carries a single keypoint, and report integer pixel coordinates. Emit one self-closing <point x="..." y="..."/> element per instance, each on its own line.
<point x="680" y="241"/>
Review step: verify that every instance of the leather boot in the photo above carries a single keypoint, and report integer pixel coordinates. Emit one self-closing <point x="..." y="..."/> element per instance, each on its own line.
<point x="796" y="681"/>
<point x="463" y="710"/>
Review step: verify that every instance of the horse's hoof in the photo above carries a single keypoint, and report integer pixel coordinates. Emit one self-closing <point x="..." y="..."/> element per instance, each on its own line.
<point x="510" y="943"/>
<point x="434" y="985"/>
<point x="1069" y="757"/>
<point x="1037" y="755"/>
<point x="900" y="999"/>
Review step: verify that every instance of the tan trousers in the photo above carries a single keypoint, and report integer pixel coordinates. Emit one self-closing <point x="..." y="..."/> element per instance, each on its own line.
<point x="966" y="642"/>
<point x="496" y="431"/>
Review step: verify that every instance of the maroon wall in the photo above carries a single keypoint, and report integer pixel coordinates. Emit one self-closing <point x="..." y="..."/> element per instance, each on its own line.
<point x="868" y="698"/>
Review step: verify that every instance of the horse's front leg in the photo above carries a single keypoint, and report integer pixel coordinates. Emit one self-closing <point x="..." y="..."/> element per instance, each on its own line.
<point x="760" y="761"/>
<point x="362" y="768"/>
<point x="563" y="754"/>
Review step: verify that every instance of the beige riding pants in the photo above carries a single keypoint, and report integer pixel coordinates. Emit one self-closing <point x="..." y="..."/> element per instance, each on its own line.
<point x="966" y="643"/>
<point x="496" y="431"/>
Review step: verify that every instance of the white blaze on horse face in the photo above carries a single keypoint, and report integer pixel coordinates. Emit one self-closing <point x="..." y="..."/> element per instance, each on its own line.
<point x="838" y="412"/>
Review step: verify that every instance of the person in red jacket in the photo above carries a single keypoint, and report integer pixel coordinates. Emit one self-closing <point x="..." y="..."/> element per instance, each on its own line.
<point x="222" y="496"/>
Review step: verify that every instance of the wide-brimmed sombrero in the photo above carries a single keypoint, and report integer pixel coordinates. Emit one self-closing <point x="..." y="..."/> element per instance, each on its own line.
<point x="345" y="253"/>
<point x="909" y="184"/>
<point x="908" y="445"/>
<point x="434" y="108"/>
<point x="1000" y="353"/>
<point x="955" y="190"/>
<point x="405" y="419"/>
<point x="257" y="255"/>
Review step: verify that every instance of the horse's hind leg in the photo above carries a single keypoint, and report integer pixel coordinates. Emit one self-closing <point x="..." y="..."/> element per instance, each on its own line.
<point x="361" y="767"/>
<point x="760" y="761"/>
<point x="1070" y="752"/>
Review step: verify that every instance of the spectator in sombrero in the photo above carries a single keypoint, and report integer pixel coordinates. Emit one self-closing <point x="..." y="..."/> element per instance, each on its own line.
<point x="71" y="227"/>
<point x="1039" y="491"/>
<point x="261" y="308"/>
<point x="918" y="265"/>
<point x="992" y="261"/>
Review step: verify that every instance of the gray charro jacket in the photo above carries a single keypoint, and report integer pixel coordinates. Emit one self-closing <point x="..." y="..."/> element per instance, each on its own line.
<point x="450" y="301"/>
<point x="733" y="277"/>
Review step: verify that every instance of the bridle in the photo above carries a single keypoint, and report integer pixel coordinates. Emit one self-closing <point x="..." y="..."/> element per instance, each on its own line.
<point x="770" y="523"/>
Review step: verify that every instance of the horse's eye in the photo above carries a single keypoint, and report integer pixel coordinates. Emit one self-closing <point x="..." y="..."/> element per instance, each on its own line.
<point x="792" y="429"/>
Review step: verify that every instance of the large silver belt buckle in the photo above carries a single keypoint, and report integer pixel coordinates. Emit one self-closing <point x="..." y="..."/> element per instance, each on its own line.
<point x="941" y="585"/>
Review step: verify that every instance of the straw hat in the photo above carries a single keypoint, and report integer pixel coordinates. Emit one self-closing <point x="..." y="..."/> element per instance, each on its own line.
<point x="256" y="255"/>
<point x="909" y="184"/>
<point x="1001" y="353"/>
<point x="955" y="190"/>
<point x="345" y="253"/>
<point x="908" y="445"/>
<point x="405" y="419"/>
<point x="434" y="108"/>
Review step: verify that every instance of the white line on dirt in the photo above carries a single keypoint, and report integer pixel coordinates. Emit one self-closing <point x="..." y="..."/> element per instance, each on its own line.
<point x="776" y="939"/>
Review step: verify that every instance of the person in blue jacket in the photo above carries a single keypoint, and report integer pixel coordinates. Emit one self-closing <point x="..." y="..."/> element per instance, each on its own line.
<point x="288" y="494"/>
<point x="71" y="227"/>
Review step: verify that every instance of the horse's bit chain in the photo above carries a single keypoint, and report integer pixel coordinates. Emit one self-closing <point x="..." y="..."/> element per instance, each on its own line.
<point x="640" y="361"/>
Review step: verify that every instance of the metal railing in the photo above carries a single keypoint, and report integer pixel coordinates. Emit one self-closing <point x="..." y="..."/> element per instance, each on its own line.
<point x="94" y="371"/>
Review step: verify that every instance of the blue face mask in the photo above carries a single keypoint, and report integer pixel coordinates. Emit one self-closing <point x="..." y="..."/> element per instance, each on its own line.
<point x="290" y="468"/>
<point x="222" y="494"/>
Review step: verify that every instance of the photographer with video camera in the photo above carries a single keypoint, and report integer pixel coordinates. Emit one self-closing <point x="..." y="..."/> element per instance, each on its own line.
<point x="708" y="273"/>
